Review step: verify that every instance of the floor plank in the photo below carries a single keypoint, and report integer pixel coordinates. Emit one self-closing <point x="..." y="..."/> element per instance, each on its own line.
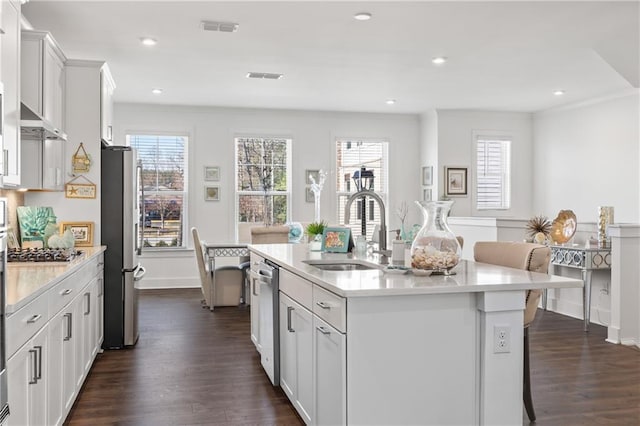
<point x="194" y="367"/>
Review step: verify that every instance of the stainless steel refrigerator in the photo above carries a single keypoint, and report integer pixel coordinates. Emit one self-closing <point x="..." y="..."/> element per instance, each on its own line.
<point x="120" y="221"/>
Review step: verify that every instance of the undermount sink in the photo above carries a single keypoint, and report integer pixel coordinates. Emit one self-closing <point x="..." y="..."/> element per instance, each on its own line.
<point x="349" y="265"/>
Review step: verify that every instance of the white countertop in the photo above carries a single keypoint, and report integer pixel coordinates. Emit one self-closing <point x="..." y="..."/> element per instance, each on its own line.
<point x="27" y="280"/>
<point x="470" y="276"/>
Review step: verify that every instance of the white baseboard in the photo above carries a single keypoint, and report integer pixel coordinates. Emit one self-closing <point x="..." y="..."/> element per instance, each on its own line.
<point x="160" y="283"/>
<point x="598" y="315"/>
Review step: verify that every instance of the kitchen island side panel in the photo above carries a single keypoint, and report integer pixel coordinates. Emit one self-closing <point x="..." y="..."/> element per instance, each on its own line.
<point x="413" y="360"/>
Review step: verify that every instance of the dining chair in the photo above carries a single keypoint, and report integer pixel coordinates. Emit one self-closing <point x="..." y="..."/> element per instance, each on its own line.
<point x="270" y="234"/>
<point x="228" y="281"/>
<point x="530" y="257"/>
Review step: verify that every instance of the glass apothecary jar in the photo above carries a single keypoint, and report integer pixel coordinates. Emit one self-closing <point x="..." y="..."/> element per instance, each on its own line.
<point x="435" y="247"/>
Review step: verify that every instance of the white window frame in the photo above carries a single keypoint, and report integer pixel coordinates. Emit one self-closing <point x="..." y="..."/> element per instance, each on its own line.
<point x="237" y="193"/>
<point x="186" y="193"/>
<point x="506" y="173"/>
<point x="383" y="192"/>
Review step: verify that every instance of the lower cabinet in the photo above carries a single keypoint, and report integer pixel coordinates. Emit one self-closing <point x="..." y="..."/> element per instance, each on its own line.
<point x="296" y="355"/>
<point x="329" y="374"/>
<point x="46" y="373"/>
<point x="254" y="288"/>
<point x="28" y="374"/>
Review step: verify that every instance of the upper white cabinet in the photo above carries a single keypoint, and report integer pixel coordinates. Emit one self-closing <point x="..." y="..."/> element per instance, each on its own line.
<point x="10" y="76"/>
<point x="107" y="87"/>
<point x="42" y="77"/>
<point x="43" y="164"/>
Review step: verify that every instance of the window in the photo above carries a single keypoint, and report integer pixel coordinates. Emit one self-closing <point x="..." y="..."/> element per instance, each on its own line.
<point x="493" y="163"/>
<point x="262" y="180"/>
<point x="164" y="189"/>
<point x="351" y="155"/>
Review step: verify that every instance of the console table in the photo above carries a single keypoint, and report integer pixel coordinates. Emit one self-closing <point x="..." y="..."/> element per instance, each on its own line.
<point x="585" y="259"/>
<point x="225" y="250"/>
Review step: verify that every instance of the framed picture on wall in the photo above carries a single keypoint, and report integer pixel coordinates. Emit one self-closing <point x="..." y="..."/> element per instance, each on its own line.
<point x="315" y="174"/>
<point x="455" y="181"/>
<point x="212" y="193"/>
<point x="211" y="173"/>
<point x="308" y="195"/>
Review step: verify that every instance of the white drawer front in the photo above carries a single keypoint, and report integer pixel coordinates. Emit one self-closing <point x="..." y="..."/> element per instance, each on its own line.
<point x="330" y="307"/>
<point x="26" y="322"/>
<point x="296" y="288"/>
<point x="70" y="287"/>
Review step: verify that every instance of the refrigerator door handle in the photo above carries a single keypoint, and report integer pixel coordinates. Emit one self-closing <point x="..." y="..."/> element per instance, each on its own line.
<point x="140" y="271"/>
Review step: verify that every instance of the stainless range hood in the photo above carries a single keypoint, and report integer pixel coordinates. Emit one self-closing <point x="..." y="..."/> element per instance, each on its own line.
<point x="34" y="127"/>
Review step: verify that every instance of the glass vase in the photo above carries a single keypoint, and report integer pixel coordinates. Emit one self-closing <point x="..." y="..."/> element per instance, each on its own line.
<point x="435" y="247"/>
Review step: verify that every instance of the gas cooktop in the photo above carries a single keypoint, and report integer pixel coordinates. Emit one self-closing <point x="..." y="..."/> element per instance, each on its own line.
<point x="42" y="255"/>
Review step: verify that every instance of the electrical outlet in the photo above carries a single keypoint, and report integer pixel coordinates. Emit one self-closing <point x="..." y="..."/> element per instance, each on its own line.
<point x="501" y="339"/>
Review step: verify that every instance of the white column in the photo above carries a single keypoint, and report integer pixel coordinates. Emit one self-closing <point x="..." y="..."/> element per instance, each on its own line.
<point x="625" y="284"/>
<point x="501" y="373"/>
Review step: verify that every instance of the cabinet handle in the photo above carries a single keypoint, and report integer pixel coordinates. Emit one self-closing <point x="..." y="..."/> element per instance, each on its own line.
<point x="39" y="372"/>
<point x="253" y="287"/>
<point x="289" y="310"/>
<point x="88" y="296"/>
<point x="66" y="292"/>
<point x="34" y="319"/>
<point x="109" y="133"/>
<point x="5" y="162"/>
<point x="323" y="305"/>
<point x="34" y="378"/>
<point x="69" y="316"/>
<point x="322" y="330"/>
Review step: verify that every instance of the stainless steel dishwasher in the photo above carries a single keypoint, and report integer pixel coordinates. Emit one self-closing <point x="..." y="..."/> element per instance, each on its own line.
<point x="266" y="275"/>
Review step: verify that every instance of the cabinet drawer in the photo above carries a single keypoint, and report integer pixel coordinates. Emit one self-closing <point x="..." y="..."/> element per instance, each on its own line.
<point x="296" y="288"/>
<point x="330" y="307"/>
<point x="26" y="322"/>
<point x="71" y="286"/>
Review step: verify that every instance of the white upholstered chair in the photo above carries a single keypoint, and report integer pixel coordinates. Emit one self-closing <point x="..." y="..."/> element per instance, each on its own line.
<point x="270" y="234"/>
<point x="530" y="257"/>
<point x="229" y="279"/>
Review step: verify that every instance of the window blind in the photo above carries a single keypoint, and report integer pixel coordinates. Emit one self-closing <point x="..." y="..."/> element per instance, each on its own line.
<point x="493" y="173"/>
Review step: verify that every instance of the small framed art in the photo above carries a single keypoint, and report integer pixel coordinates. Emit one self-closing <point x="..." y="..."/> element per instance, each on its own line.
<point x="211" y="173"/>
<point x="455" y="181"/>
<point x="315" y="174"/>
<point x="427" y="175"/>
<point x="82" y="232"/>
<point x="336" y="240"/>
<point x="426" y="194"/>
<point x="308" y="195"/>
<point x="212" y="193"/>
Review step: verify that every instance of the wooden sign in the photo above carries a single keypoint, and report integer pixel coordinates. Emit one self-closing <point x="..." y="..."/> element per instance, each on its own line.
<point x="81" y="161"/>
<point x="80" y="190"/>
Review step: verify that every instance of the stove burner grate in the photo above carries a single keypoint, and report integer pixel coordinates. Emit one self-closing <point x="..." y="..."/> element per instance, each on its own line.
<point x="42" y="255"/>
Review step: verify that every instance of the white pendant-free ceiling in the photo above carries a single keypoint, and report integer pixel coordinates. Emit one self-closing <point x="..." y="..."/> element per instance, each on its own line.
<point x="508" y="56"/>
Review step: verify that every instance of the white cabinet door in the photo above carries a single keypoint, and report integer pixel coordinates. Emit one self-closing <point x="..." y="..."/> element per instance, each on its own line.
<point x="69" y="343"/>
<point x="329" y="374"/>
<point x="89" y="324"/>
<point x="53" y="160"/>
<point x="53" y="86"/>
<point x="107" y="87"/>
<point x="10" y="76"/>
<point x="296" y="355"/>
<point x="99" y="322"/>
<point x="78" y="333"/>
<point x="27" y="382"/>
<point x="57" y="333"/>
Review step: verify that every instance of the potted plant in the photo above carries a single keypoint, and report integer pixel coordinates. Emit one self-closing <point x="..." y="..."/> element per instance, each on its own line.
<point x="314" y="233"/>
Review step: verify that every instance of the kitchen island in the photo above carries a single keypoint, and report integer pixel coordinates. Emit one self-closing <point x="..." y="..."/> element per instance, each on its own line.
<point x="365" y="347"/>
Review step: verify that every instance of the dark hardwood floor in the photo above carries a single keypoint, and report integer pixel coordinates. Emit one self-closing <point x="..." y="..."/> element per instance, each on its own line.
<point x="194" y="367"/>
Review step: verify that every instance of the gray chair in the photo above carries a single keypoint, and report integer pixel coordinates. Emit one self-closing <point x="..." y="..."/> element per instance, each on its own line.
<point x="530" y="257"/>
<point x="225" y="287"/>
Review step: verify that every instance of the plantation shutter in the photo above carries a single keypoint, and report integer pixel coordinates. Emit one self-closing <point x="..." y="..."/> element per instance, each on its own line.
<point x="493" y="173"/>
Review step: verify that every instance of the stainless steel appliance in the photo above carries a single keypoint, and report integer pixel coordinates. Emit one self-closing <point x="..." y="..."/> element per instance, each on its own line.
<point x="4" y="404"/>
<point x="120" y="223"/>
<point x="267" y="276"/>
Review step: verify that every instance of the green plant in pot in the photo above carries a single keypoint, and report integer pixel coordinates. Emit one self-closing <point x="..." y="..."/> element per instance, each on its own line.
<point x="315" y="229"/>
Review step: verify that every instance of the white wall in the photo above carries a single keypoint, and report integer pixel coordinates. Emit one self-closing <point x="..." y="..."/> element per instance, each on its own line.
<point x="429" y="147"/>
<point x="456" y="148"/>
<point x="212" y="131"/>
<point x="589" y="155"/>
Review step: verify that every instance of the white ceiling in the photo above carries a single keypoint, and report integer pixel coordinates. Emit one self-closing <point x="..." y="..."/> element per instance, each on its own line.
<point x="502" y="55"/>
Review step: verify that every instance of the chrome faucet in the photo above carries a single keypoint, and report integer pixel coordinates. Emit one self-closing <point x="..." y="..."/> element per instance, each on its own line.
<point x="382" y="248"/>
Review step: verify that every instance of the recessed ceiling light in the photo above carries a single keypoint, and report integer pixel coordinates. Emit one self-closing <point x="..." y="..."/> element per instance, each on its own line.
<point x="148" y="41"/>
<point x="439" y="60"/>
<point x="156" y="91"/>
<point x="362" y="16"/>
<point x="559" y="92"/>
<point x="391" y="101"/>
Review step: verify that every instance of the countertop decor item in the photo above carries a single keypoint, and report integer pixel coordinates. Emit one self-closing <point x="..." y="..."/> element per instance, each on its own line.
<point x="82" y="232"/>
<point x="563" y="226"/>
<point x="435" y="247"/>
<point x="336" y="240"/>
<point x="539" y="224"/>
<point x="33" y="221"/>
<point x="605" y="218"/>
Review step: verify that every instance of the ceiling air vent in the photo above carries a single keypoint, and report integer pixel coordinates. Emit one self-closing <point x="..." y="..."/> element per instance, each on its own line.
<point x="225" y="27"/>
<point x="265" y="75"/>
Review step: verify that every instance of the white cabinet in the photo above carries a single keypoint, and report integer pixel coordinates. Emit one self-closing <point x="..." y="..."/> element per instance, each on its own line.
<point x="43" y="164"/>
<point x="42" y="77"/>
<point x="10" y="76"/>
<point x="27" y="380"/>
<point x="255" y="302"/>
<point x="296" y="355"/>
<point x="107" y="87"/>
<point x="329" y="374"/>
